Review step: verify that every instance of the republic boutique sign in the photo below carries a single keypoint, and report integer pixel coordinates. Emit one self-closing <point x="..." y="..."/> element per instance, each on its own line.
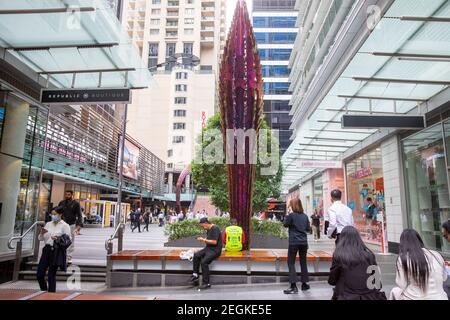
<point x="85" y="96"/>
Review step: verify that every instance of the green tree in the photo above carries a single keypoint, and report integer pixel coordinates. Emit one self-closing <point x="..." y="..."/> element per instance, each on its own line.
<point x="214" y="176"/>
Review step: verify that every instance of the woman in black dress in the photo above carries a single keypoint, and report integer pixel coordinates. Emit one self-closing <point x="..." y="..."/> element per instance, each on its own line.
<point x="353" y="264"/>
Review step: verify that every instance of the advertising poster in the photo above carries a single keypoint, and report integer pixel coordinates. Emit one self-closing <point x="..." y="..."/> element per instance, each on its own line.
<point x="130" y="161"/>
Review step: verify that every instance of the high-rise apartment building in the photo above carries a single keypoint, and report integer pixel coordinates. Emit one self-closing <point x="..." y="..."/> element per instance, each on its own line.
<point x="181" y="40"/>
<point x="275" y="28"/>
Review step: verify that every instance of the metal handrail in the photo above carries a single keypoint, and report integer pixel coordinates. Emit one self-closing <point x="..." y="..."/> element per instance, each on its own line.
<point x="24" y="234"/>
<point x="114" y="235"/>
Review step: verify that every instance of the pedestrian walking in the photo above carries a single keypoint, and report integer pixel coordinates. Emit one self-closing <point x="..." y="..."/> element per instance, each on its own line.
<point x="339" y="215"/>
<point x="72" y="216"/>
<point x="421" y="272"/>
<point x="137" y="220"/>
<point x="161" y="219"/>
<point x="56" y="236"/>
<point x="299" y="227"/>
<point x="146" y="218"/>
<point x="315" y="224"/>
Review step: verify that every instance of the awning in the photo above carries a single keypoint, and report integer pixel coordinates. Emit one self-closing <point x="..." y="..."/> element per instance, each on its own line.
<point x="73" y="43"/>
<point x="404" y="62"/>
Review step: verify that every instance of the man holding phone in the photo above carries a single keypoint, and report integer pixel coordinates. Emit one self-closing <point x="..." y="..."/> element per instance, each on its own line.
<point x="211" y="252"/>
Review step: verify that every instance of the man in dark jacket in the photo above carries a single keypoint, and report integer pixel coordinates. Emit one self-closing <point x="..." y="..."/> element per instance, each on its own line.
<point x="72" y="216"/>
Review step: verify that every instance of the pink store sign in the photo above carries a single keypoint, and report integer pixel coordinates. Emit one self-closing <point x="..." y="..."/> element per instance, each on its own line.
<point x="320" y="164"/>
<point x="362" y="173"/>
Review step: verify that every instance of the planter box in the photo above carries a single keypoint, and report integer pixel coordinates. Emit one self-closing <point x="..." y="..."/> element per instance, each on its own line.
<point x="257" y="242"/>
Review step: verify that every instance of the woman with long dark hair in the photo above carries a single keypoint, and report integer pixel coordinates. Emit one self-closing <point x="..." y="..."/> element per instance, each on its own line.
<point x="420" y="272"/>
<point x="353" y="264"/>
<point x="298" y="223"/>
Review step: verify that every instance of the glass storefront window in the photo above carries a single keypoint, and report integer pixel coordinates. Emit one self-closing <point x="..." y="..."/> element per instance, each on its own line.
<point x="318" y="195"/>
<point x="2" y="119"/>
<point x="426" y="174"/>
<point x="365" y="182"/>
<point x="30" y="201"/>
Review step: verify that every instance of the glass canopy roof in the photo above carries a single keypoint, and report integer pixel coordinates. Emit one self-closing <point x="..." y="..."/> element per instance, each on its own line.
<point x="59" y="37"/>
<point x="403" y="63"/>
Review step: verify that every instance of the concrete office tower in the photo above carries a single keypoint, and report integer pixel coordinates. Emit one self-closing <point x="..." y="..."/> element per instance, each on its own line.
<point x="274" y="23"/>
<point x="182" y="41"/>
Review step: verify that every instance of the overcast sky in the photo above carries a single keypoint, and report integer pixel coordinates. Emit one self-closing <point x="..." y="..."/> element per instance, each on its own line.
<point x="231" y="5"/>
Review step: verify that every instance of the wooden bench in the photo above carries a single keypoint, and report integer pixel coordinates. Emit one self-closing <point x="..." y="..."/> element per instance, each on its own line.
<point x="164" y="266"/>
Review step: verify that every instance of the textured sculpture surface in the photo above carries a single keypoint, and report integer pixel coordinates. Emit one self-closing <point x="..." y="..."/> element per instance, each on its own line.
<point x="241" y="99"/>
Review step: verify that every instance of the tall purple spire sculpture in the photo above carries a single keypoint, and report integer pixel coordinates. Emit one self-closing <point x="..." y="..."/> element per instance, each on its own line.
<point x="241" y="109"/>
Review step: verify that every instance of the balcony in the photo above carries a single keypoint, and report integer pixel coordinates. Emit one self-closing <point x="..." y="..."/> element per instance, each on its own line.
<point x="208" y="11"/>
<point x="207" y="31"/>
<point x="172" y="24"/>
<point x="207" y="42"/>
<point x="208" y="20"/>
<point x="173" y="13"/>
<point x="171" y="34"/>
<point x="173" y="3"/>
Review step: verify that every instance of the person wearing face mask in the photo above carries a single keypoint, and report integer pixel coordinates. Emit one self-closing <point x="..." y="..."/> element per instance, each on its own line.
<point x="51" y="234"/>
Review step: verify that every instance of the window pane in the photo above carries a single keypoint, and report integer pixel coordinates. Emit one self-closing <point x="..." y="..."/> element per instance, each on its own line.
<point x="427" y="185"/>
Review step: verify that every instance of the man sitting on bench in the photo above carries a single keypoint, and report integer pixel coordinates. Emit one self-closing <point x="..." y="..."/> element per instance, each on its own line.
<point x="211" y="252"/>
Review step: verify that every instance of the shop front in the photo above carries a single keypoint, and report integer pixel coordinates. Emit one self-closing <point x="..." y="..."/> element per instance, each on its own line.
<point x="426" y="169"/>
<point x="365" y="186"/>
<point x="22" y="195"/>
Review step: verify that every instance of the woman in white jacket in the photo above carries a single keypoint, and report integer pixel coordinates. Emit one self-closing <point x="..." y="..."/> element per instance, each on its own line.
<point x="420" y="272"/>
<point x="52" y="230"/>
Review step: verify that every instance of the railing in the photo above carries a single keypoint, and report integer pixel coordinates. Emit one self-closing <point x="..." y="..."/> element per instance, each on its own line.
<point x="118" y="233"/>
<point x="19" y="247"/>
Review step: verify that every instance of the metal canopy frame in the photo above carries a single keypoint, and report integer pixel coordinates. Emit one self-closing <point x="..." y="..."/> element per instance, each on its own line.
<point x="48" y="10"/>
<point x="423" y="19"/>
<point x="407" y="81"/>
<point x="387" y="81"/>
<point x="332" y="139"/>
<point x="382" y="98"/>
<point x="111" y="48"/>
<point x="414" y="56"/>
<point x="65" y="46"/>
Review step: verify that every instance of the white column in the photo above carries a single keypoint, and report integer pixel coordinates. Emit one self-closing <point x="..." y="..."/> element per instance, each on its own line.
<point x="12" y="147"/>
<point x="394" y="195"/>
<point x="187" y="183"/>
<point x="170" y="182"/>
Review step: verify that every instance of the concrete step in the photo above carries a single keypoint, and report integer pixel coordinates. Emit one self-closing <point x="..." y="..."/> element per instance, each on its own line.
<point x="83" y="268"/>
<point x="62" y="276"/>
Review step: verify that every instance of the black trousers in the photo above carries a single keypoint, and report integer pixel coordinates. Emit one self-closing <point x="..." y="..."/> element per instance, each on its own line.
<point x="204" y="258"/>
<point x="44" y="265"/>
<point x="327" y="224"/>
<point x="137" y="224"/>
<point x="146" y="225"/>
<point x="302" y="250"/>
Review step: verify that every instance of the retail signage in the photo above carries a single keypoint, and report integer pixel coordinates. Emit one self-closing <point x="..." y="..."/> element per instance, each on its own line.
<point x="130" y="160"/>
<point x="320" y="164"/>
<point x="85" y="96"/>
<point x="371" y="121"/>
<point x="362" y="173"/>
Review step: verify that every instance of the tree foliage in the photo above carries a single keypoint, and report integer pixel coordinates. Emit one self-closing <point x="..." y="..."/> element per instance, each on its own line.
<point x="214" y="176"/>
